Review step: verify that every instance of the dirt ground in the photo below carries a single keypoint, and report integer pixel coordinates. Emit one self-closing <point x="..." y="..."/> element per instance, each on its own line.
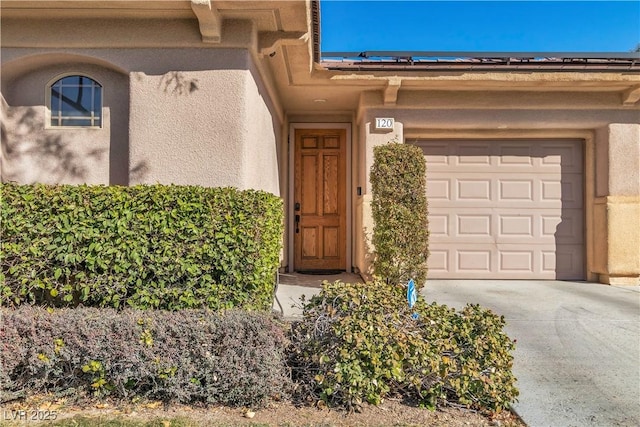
<point x="389" y="413"/>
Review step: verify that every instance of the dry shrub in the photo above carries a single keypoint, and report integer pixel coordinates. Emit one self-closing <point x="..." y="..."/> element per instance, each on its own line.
<point x="234" y="358"/>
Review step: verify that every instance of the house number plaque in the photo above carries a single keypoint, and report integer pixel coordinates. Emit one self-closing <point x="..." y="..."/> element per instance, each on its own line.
<point x="383" y="123"/>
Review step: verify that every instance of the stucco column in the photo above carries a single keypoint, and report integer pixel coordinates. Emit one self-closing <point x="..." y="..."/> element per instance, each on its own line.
<point x="370" y="138"/>
<point x="623" y="205"/>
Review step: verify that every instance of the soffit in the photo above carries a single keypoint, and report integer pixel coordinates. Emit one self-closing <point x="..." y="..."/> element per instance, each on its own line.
<point x="299" y="86"/>
<point x="342" y="90"/>
<point x="266" y="15"/>
<point x="96" y="9"/>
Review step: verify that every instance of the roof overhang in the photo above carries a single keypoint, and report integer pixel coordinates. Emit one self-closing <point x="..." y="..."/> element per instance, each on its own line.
<point x="267" y="16"/>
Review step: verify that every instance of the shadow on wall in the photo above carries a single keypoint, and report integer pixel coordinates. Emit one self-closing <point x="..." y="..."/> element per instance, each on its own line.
<point x="34" y="152"/>
<point x="138" y="172"/>
<point x="31" y="153"/>
<point x="28" y="154"/>
<point x="176" y="83"/>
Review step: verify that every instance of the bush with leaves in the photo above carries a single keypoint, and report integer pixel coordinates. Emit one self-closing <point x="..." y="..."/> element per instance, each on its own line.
<point x="399" y="209"/>
<point x="361" y="342"/>
<point x="168" y="247"/>
<point x="234" y="358"/>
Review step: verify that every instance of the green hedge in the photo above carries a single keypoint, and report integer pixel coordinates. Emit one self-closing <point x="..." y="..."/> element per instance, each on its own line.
<point x="168" y="247"/>
<point x="234" y="357"/>
<point x="399" y="209"/>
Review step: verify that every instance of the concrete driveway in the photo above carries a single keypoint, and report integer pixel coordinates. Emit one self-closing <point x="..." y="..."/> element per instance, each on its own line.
<point x="577" y="356"/>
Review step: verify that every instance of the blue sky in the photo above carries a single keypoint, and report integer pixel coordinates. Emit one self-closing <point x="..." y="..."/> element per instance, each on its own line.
<point x="522" y="26"/>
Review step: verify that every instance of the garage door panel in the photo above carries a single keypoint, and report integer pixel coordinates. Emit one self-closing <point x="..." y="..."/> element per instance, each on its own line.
<point x="560" y="156"/>
<point x="562" y="262"/>
<point x="438" y="261"/>
<point x="473" y="189"/>
<point x="572" y="194"/>
<point x="468" y="225"/>
<point x="505" y="209"/>
<point x="566" y="189"/>
<point x="559" y="191"/>
<point x="486" y="225"/>
<point x="566" y="228"/>
<point x="474" y="225"/>
<point x="516" y="261"/>
<point x="516" y="189"/>
<point x="439" y="225"/>
<point x="474" y="156"/>
<point x="437" y="154"/>
<point x="565" y="262"/>
<point x="439" y="190"/>
<point x="511" y="156"/>
<point x="516" y="226"/>
<point x="515" y="155"/>
<point x="505" y="190"/>
<point x="473" y="260"/>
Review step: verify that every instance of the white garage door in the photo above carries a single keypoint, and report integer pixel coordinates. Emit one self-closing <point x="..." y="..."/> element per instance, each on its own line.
<point x="505" y="209"/>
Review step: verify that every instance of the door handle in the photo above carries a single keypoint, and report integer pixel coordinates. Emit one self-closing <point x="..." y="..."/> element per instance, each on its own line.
<point x="297" y="223"/>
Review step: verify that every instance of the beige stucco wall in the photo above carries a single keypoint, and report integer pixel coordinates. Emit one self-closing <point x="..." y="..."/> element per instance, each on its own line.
<point x="624" y="158"/>
<point x="32" y="151"/>
<point x="206" y="127"/>
<point x="34" y="154"/>
<point x="192" y="117"/>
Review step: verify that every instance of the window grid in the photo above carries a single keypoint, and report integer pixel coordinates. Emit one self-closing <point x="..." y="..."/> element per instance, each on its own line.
<point x="93" y="119"/>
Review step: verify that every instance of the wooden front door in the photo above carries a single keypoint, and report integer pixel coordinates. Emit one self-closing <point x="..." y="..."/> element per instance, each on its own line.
<point x="320" y="199"/>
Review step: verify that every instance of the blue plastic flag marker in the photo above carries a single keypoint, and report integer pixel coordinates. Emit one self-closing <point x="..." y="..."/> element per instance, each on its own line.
<point x="412" y="296"/>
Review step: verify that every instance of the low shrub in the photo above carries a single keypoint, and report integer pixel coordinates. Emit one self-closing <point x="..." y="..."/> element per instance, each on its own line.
<point x="168" y="247"/>
<point x="361" y="342"/>
<point x="234" y="358"/>
<point x="399" y="210"/>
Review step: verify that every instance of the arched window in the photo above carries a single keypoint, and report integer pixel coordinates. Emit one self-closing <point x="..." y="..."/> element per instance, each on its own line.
<point x="76" y="101"/>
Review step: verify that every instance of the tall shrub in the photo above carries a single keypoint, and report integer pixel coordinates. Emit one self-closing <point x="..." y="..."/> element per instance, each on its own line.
<point x="168" y="247"/>
<point x="400" y="234"/>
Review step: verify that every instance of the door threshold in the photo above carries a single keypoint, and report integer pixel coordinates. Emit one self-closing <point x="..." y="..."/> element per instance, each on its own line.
<point x="320" y="272"/>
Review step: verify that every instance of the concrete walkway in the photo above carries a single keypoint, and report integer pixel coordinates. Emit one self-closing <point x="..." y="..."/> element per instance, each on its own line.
<point x="577" y="356"/>
<point x="292" y="286"/>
